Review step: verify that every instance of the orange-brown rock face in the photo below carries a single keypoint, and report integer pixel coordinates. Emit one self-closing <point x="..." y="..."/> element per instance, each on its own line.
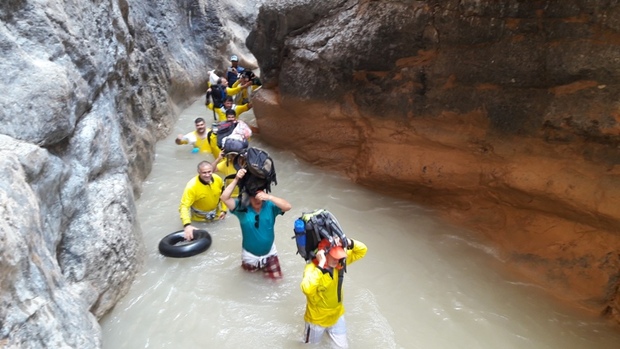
<point x="502" y="114"/>
<point x="552" y="214"/>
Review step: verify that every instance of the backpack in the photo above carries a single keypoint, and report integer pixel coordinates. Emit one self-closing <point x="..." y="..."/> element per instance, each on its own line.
<point x="312" y="228"/>
<point x="224" y="129"/>
<point x="218" y="95"/>
<point x="261" y="171"/>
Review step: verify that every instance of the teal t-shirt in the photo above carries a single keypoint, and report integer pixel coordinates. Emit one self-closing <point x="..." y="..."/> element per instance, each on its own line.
<point x="257" y="230"/>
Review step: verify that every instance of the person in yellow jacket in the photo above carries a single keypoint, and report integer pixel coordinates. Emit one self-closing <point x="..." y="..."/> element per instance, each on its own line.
<point x="201" y="199"/>
<point x="229" y="104"/>
<point x="212" y="136"/>
<point x="244" y="96"/>
<point x="197" y="138"/>
<point x="227" y="169"/>
<point x="322" y="285"/>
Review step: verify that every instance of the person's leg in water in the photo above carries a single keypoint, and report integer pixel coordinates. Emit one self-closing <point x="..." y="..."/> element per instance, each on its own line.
<point x="338" y="333"/>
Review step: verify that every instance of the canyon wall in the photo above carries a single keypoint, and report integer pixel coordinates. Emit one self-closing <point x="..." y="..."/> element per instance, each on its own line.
<point x="87" y="90"/>
<point x="503" y="115"/>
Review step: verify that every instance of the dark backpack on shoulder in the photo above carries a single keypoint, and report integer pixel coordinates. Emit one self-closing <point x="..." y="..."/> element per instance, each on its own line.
<point x="224" y="129"/>
<point x="218" y="95"/>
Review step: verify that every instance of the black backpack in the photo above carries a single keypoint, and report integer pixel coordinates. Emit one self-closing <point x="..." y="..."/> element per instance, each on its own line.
<point x="230" y="145"/>
<point x="312" y="227"/>
<point x="224" y="129"/>
<point x="261" y="171"/>
<point x="218" y="95"/>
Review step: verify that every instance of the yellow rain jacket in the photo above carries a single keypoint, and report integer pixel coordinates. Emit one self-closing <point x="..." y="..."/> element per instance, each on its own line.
<point x="202" y="197"/>
<point x="201" y="143"/>
<point x="221" y="112"/>
<point x="226" y="168"/>
<point x="321" y="290"/>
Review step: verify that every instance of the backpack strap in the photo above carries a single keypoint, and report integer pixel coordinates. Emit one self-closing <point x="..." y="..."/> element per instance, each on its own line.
<point x="317" y="225"/>
<point x="229" y="177"/>
<point x="341" y="280"/>
<point x="273" y="171"/>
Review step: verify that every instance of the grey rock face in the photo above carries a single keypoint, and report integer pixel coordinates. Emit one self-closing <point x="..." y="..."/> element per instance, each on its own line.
<point x="88" y="89"/>
<point x="39" y="307"/>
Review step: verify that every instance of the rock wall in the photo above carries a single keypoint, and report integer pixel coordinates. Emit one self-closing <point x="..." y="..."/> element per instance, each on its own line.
<point x="503" y="115"/>
<point x="88" y="88"/>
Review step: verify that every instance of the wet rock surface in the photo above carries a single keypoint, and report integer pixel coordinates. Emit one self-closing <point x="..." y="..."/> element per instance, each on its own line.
<point x="88" y="89"/>
<point x="503" y="116"/>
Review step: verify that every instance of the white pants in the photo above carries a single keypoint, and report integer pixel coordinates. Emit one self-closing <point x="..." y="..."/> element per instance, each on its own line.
<point x="257" y="261"/>
<point x="338" y="333"/>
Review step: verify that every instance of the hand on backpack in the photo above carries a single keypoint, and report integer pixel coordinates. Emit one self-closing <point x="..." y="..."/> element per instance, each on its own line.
<point x="320" y="258"/>
<point x="261" y="195"/>
<point x="240" y="173"/>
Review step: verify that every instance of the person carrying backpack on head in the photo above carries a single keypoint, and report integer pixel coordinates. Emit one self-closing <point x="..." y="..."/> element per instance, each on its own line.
<point x="257" y="221"/>
<point x="233" y="135"/>
<point x="232" y="139"/>
<point x="322" y="285"/>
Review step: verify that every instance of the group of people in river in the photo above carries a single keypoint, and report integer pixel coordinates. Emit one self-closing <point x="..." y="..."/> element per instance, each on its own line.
<point x="211" y="196"/>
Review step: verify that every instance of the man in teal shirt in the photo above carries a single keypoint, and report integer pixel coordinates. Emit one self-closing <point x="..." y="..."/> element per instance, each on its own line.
<point x="257" y="221"/>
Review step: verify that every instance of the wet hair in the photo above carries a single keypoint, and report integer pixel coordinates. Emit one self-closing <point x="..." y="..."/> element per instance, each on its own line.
<point x="248" y="74"/>
<point x="199" y="120"/>
<point x="228" y="98"/>
<point x="231" y="111"/>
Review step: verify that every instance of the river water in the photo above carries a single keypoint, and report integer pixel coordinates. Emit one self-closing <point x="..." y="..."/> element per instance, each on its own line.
<point x="423" y="284"/>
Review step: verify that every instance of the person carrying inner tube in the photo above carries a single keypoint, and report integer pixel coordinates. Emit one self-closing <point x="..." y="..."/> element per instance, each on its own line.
<point x="201" y="199"/>
<point x="257" y="222"/>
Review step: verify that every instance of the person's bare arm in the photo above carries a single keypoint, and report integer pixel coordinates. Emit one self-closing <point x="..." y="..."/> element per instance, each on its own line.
<point x="226" y="196"/>
<point x="280" y="202"/>
<point x="217" y="161"/>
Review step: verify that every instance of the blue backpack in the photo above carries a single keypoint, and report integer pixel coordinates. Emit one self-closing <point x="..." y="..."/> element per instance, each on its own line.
<point x="312" y="227"/>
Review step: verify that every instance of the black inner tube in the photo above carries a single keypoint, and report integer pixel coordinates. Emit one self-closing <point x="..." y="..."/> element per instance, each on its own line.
<point x="175" y="245"/>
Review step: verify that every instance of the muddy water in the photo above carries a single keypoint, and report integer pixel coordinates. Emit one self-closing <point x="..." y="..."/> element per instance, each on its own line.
<point x="423" y="284"/>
